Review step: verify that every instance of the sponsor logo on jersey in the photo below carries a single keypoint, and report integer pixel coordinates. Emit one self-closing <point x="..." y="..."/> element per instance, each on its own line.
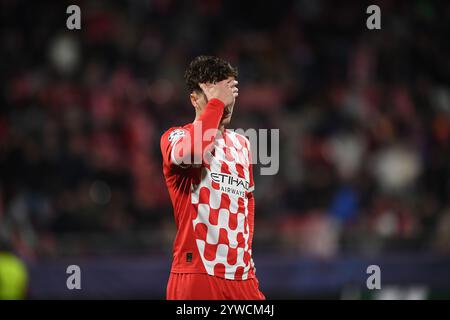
<point x="230" y="184"/>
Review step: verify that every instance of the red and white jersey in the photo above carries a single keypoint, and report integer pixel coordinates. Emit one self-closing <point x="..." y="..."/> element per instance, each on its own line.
<point x="213" y="207"/>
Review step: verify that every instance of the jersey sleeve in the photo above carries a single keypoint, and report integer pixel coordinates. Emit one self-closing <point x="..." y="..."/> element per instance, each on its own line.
<point x="185" y="146"/>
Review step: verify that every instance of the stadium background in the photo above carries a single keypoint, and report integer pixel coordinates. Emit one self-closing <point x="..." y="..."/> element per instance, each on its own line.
<point x="364" y="119"/>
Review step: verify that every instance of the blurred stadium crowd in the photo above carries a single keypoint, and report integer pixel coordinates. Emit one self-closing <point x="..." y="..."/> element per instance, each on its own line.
<point x="364" y="119"/>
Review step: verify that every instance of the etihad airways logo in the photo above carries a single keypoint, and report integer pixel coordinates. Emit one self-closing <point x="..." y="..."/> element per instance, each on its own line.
<point x="230" y="184"/>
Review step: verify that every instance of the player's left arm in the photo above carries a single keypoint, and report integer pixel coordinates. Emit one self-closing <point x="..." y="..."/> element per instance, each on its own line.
<point x="250" y="195"/>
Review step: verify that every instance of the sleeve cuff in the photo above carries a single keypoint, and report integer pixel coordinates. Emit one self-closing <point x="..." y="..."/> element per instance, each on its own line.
<point x="216" y="103"/>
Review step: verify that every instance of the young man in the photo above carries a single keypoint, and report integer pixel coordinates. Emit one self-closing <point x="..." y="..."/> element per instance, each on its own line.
<point x="208" y="173"/>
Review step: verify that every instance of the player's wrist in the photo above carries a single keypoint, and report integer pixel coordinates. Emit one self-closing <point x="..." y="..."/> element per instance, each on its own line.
<point x="216" y="103"/>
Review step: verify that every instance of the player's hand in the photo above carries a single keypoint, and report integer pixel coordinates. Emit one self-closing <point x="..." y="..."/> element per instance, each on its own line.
<point x="225" y="90"/>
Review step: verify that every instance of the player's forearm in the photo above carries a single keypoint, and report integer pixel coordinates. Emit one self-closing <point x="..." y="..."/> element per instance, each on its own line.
<point x="251" y="210"/>
<point x="251" y="203"/>
<point x="202" y="133"/>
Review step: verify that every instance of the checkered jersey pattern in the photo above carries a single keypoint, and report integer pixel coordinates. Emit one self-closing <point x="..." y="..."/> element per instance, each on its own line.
<point x="221" y="222"/>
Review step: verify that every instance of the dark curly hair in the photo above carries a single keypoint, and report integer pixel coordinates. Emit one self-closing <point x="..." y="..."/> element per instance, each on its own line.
<point x="205" y="69"/>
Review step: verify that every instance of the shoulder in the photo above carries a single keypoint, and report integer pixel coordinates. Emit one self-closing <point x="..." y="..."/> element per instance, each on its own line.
<point x="174" y="133"/>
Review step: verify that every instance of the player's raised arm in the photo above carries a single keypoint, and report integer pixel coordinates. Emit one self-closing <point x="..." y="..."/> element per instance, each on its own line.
<point x="186" y="146"/>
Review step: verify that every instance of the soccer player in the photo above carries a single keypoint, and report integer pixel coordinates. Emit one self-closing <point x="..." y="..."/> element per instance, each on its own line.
<point x="208" y="172"/>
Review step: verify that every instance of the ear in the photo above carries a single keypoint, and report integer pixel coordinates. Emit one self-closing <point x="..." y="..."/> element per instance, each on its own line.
<point x="193" y="97"/>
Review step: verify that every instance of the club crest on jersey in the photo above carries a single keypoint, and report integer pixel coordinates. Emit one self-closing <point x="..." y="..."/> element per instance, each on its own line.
<point x="176" y="134"/>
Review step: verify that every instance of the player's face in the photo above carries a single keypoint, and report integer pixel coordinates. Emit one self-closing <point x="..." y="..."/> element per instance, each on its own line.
<point x="200" y="101"/>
